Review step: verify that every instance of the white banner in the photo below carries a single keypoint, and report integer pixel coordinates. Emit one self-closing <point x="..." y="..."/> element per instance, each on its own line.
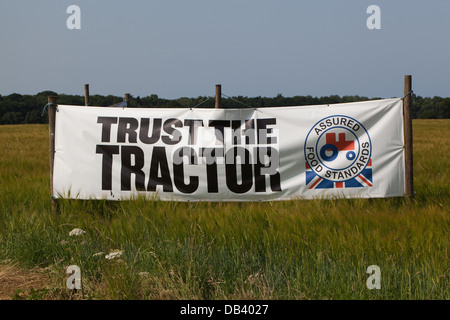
<point x="326" y="151"/>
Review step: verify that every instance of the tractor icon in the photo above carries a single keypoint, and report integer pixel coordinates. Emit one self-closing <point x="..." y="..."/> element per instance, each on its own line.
<point x="333" y="146"/>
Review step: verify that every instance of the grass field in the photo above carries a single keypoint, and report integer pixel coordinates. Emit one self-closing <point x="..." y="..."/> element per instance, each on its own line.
<point x="318" y="249"/>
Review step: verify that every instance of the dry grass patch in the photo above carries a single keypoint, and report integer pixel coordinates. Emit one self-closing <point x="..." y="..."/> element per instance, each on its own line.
<point x="17" y="283"/>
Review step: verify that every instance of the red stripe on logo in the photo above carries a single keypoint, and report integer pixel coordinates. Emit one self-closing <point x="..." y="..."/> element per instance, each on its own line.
<point x="365" y="180"/>
<point x="315" y="183"/>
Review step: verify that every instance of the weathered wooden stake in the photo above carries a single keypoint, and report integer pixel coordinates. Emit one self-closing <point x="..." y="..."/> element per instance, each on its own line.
<point x="51" y="128"/>
<point x="407" y="109"/>
<point x="127" y="99"/>
<point x="218" y="96"/>
<point x="86" y="94"/>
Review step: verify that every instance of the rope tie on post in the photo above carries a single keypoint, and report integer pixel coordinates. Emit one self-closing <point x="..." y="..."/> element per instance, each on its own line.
<point x="256" y="109"/>
<point x="409" y="93"/>
<point x="200" y="103"/>
<point x="246" y="105"/>
<point x="45" y="109"/>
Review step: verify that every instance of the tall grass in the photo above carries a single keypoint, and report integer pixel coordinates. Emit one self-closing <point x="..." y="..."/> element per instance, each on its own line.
<point x="315" y="249"/>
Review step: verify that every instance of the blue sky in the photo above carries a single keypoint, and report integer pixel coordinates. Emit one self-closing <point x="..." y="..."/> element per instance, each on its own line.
<point x="182" y="48"/>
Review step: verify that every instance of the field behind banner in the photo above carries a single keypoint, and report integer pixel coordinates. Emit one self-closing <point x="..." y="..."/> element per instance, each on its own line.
<point x="314" y="249"/>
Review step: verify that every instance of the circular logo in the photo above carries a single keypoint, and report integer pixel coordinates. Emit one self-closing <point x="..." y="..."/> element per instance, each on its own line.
<point x="338" y="148"/>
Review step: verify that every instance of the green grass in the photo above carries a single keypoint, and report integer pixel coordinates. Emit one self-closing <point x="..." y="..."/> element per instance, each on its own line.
<point x="315" y="249"/>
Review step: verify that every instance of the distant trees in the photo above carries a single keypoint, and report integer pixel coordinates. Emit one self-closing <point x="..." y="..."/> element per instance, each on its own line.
<point x="431" y="108"/>
<point x="17" y="109"/>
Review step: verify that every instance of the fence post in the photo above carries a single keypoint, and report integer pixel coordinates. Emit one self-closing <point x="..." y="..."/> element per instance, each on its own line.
<point x="86" y="94"/>
<point x="407" y="109"/>
<point x="127" y="99"/>
<point x="51" y="128"/>
<point x="218" y="104"/>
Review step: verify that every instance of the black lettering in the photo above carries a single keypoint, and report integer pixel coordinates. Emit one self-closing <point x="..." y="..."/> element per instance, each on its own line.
<point x="127" y="126"/>
<point x="322" y="126"/>
<point x="128" y="168"/>
<point x="348" y="173"/>
<point x="231" y="170"/>
<point x="211" y="155"/>
<point x="159" y="163"/>
<point x="263" y="131"/>
<point x="249" y="132"/>
<point x="236" y="129"/>
<point x="219" y="131"/>
<point x="169" y="125"/>
<point x="107" y="152"/>
<point x="178" y="171"/>
<point x="260" y="179"/>
<point x="193" y="126"/>
<point x="106" y="127"/>
<point x="145" y="128"/>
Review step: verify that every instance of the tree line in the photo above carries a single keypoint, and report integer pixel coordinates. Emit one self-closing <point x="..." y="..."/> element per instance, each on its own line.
<point x="23" y="109"/>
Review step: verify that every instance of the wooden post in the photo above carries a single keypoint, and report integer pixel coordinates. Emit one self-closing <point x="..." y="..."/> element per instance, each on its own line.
<point x="407" y="109"/>
<point x="218" y="96"/>
<point x="51" y="129"/>
<point x="86" y="94"/>
<point x="127" y="99"/>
